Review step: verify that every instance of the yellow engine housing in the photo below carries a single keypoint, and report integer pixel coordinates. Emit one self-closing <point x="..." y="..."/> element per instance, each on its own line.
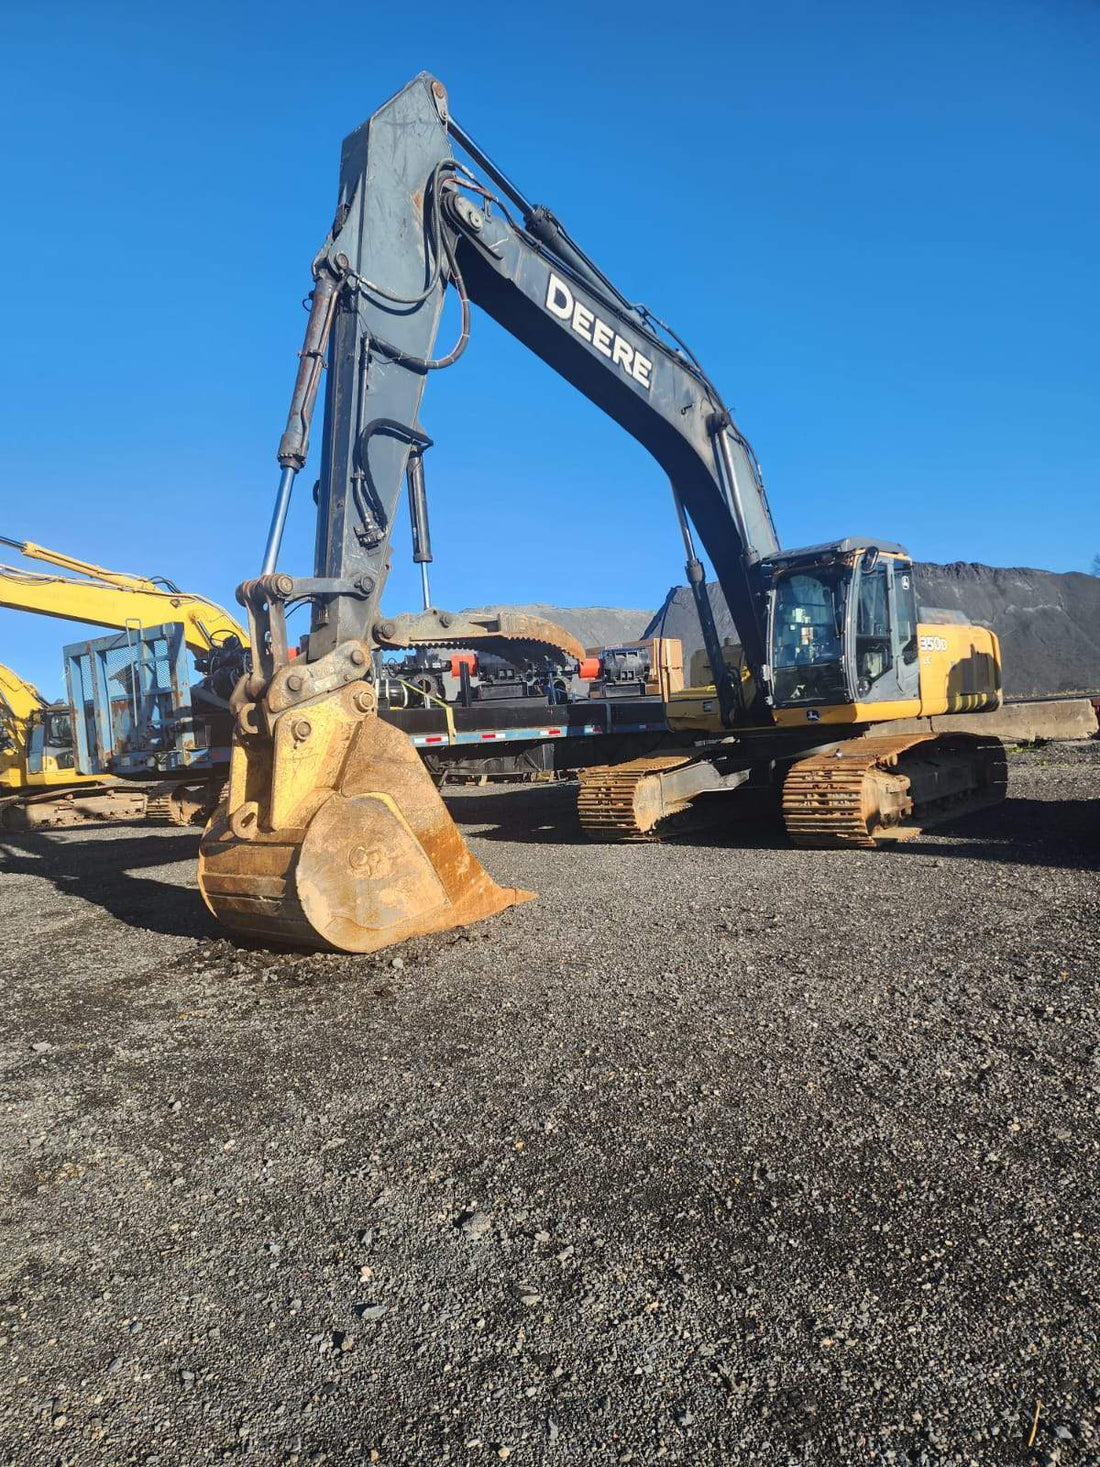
<point x="960" y="672"/>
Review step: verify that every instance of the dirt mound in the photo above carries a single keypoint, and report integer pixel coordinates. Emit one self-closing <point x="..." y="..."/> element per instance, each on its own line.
<point x="1048" y="624"/>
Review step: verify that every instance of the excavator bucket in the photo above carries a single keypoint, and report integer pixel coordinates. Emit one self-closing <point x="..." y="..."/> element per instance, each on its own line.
<point x="334" y="836"/>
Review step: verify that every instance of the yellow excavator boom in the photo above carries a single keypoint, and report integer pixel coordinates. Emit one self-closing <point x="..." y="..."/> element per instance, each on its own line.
<point x="18" y="698"/>
<point x="31" y="551"/>
<point x="111" y="598"/>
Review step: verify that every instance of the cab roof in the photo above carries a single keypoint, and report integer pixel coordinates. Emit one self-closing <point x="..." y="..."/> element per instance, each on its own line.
<point x="837" y="547"/>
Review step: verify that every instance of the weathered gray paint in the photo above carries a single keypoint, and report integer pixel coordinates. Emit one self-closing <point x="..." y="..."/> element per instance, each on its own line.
<point x="386" y="171"/>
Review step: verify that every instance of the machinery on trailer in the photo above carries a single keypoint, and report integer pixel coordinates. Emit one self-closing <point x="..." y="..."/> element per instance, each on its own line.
<point x="40" y="784"/>
<point x="139" y="711"/>
<point x="332" y="834"/>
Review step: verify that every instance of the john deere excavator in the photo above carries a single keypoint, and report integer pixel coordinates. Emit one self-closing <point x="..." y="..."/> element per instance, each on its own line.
<point x="117" y="599"/>
<point x="332" y="834"/>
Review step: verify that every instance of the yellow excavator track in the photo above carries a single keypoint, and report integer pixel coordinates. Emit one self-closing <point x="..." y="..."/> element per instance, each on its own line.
<point x="623" y="802"/>
<point x="878" y="790"/>
<point x="183" y="804"/>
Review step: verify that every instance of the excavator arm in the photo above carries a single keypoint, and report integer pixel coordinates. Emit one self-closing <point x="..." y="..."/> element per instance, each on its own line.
<point x="32" y="551"/>
<point x="411" y="220"/>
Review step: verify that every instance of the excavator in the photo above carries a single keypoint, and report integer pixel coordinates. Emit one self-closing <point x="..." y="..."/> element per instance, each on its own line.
<point x="108" y="598"/>
<point x="130" y="603"/>
<point x="39" y="782"/>
<point x="332" y="834"/>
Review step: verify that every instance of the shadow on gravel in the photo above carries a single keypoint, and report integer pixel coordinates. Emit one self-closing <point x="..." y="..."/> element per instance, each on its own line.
<point x="527" y="814"/>
<point x="1052" y="833"/>
<point x="1056" y="833"/>
<point x="101" y="872"/>
<point x="547" y="815"/>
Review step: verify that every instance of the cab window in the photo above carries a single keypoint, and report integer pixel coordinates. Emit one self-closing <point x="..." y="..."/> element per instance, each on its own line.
<point x="874" y="652"/>
<point x="808" y="632"/>
<point x="905" y="600"/>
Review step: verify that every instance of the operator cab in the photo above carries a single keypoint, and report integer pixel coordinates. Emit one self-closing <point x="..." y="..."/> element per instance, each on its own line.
<point x="842" y="625"/>
<point x="49" y="740"/>
<point x="59" y="736"/>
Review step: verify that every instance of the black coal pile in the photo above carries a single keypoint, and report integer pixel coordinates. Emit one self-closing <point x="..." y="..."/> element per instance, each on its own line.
<point x="1048" y="624"/>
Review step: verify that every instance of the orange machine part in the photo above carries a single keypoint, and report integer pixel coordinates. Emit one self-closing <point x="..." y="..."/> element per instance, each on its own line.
<point x="469" y="658"/>
<point x="589" y="668"/>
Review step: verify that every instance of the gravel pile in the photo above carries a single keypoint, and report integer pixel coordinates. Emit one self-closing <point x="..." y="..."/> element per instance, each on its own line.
<point x="718" y="1153"/>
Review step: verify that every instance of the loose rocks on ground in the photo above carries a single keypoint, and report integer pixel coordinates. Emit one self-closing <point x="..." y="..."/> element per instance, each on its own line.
<point x="719" y="1152"/>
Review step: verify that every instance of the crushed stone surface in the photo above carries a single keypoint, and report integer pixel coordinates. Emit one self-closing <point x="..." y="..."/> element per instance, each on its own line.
<point x="719" y="1152"/>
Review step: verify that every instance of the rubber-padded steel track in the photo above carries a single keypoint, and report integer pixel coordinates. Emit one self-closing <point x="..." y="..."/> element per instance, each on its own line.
<point x="874" y="790"/>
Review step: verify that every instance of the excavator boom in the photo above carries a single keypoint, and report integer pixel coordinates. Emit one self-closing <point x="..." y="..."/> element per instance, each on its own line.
<point x="111" y="599"/>
<point x="31" y="551"/>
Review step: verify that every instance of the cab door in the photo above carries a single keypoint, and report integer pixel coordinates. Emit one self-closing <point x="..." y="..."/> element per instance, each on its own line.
<point x="884" y="655"/>
<point x="904" y="598"/>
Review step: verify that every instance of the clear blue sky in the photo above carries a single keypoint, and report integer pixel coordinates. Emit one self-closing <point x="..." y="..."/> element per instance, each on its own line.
<point x="877" y="224"/>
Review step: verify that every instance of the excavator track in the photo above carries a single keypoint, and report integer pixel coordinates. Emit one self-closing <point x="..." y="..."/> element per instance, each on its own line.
<point x="61" y="808"/>
<point x="184" y="804"/>
<point x="510" y="649"/>
<point x="159" y="810"/>
<point x="621" y="802"/>
<point x="877" y="790"/>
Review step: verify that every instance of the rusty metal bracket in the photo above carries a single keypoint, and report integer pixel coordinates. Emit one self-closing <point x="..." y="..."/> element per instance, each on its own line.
<point x="300" y="681"/>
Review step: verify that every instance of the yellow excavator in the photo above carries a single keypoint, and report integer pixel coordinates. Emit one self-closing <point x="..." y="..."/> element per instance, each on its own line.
<point x="97" y="596"/>
<point x="39" y="782"/>
<point x="108" y="598"/>
<point x="332" y="833"/>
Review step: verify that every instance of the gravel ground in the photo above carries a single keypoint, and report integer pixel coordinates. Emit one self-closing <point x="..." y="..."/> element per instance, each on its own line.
<point x="719" y="1152"/>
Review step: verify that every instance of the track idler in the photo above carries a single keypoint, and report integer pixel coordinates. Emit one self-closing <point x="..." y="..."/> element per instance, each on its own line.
<point x="333" y="834"/>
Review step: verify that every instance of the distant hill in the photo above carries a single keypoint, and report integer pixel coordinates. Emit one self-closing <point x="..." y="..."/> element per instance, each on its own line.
<point x="1048" y="624"/>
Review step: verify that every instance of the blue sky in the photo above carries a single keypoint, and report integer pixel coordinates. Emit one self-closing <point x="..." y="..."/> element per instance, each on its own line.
<point x="877" y="225"/>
